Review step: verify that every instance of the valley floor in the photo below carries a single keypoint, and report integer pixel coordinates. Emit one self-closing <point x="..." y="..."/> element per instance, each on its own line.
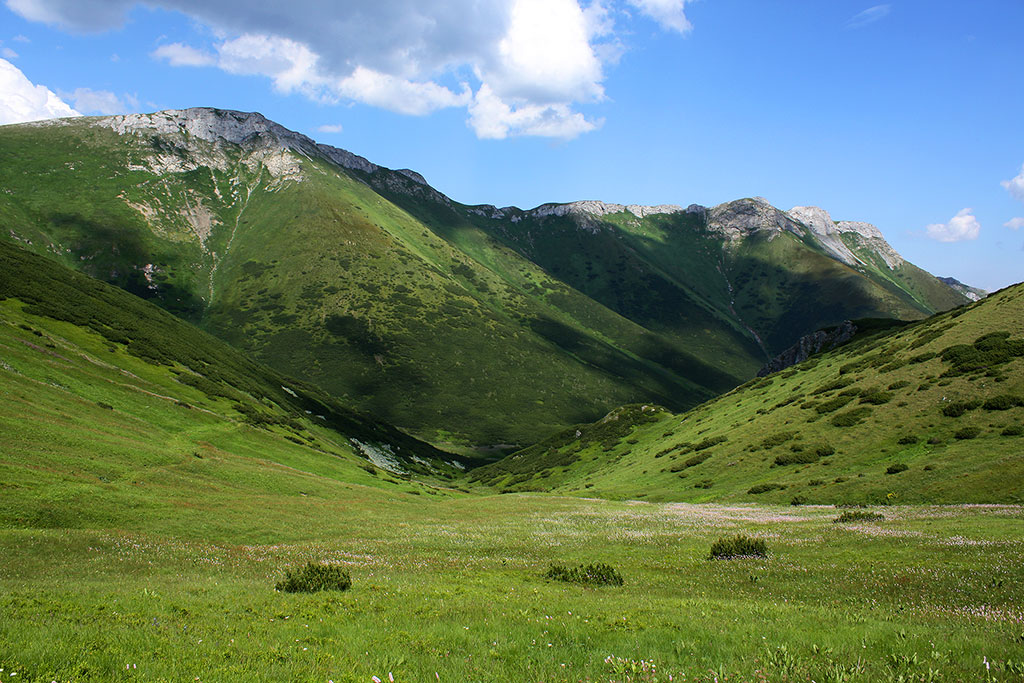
<point x="453" y="590"/>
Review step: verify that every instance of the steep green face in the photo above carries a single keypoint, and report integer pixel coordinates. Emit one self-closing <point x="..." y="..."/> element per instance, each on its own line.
<point x="465" y="325"/>
<point x="926" y="412"/>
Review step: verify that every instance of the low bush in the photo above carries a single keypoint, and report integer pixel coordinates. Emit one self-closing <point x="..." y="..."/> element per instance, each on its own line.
<point x="764" y="488"/>
<point x="958" y="408"/>
<point x="851" y="417"/>
<point x="899" y="385"/>
<point x="967" y="433"/>
<point x="798" y="500"/>
<point x="777" y="439"/>
<point x="908" y="440"/>
<point x="598" y="574"/>
<point x="897" y="468"/>
<point x="730" y="547"/>
<point x="799" y="458"/>
<point x="708" y="443"/>
<point x="1013" y="430"/>
<point x="876" y="398"/>
<point x="315" y="577"/>
<point x="833" y="405"/>
<point x="1003" y="402"/>
<point x="858" y="516"/>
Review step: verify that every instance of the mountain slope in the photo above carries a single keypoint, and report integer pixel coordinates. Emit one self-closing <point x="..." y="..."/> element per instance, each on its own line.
<point x="105" y="390"/>
<point x="932" y="412"/>
<point x="476" y="324"/>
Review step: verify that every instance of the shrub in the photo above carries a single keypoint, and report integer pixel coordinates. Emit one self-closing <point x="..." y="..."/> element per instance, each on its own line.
<point x="899" y="385"/>
<point x="908" y="440"/>
<point x="798" y="500"/>
<point x="599" y="574"/>
<point x="967" y="433"/>
<point x="708" y="443"/>
<point x="696" y="460"/>
<point x="315" y="577"/>
<point x="777" y="439"/>
<point x="858" y="516"/>
<point x="801" y="458"/>
<point x="824" y="450"/>
<point x="840" y="383"/>
<point x="764" y="488"/>
<point x="897" y="468"/>
<point x="1003" y="402"/>
<point x="958" y="408"/>
<point x="833" y="404"/>
<point x="727" y="548"/>
<point x="876" y="398"/>
<point x="851" y="417"/>
<point x="1013" y="430"/>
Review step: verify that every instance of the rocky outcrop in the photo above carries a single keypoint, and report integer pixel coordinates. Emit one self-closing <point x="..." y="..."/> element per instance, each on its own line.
<point x="810" y="344"/>
<point x="972" y="293"/>
<point x="744" y="217"/>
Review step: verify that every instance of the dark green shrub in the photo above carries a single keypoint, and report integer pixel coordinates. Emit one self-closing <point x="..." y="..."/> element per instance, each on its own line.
<point x="908" y="440"/>
<point x="801" y="458"/>
<point x="764" y="488"/>
<point x="777" y="439"/>
<point x="958" y="408"/>
<point x="598" y="574"/>
<point x="824" y="450"/>
<point x="727" y="548"/>
<point x="1003" y="402"/>
<point x="315" y="577"/>
<point x="851" y="417"/>
<point x="833" y="405"/>
<point x="840" y="383"/>
<point x="876" y="398"/>
<point x="708" y="443"/>
<point x="1013" y="430"/>
<point x="967" y="433"/>
<point x="798" y="500"/>
<point x="897" y="468"/>
<point x="816" y="482"/>
<point x="899" y="385"/>
<point x="696" y="460"/>
<point x="858" y="516"/>
<point x="105" y="406"/>
<point x="704" y="484"/>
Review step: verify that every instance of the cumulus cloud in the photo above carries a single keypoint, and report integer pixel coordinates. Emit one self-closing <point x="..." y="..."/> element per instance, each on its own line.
<point x="1014" y="223"/>
<point x="329" y="128"/>
<point x="868" y="16"/>
<point x="1015" y="185"/>
<point x="669" y="13"/>
<point x="104" y="102"/>
<point x="21" y="100"/>
<point x="962" y="227"/>
<point x="519" y="67"/>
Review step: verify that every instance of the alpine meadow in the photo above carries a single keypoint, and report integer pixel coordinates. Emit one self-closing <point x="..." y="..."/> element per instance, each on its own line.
<point x="274" y="412"/>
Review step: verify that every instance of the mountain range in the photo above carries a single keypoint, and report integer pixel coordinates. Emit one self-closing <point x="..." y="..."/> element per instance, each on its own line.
<point x="462" y="325"/>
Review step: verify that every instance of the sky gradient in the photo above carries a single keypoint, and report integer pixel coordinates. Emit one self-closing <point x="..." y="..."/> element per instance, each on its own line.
<point x="906" y="114"/>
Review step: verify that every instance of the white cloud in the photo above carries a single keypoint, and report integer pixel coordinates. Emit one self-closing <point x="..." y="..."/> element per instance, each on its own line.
<point x="104" y="102"/>
<point x="1014" y="223"/>
<point x="519" y="67"/>
<point x="8" y="53"/>
<point x="1015" y="185"/>
<point x="963" y="226"/>
<point x="21" y="100"/>
<point x="869" y="16"/>
<point x="177" y="54"/>
<point x="329" y="128"/>
<point x="669" y="13"/>
<point x="21" y="39"/>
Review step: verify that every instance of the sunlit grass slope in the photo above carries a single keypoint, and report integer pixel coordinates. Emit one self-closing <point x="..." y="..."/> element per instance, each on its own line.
<point x="113" y="406"/>
<point x="931" y="412"/>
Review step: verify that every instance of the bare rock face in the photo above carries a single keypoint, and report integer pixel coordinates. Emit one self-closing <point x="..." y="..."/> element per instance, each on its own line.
<point x="870" y="237"/>
<point x="808" y="345"/>
<point x="972" y="293"/>
<point x="595" y="208"/>
<point x="743" y="217"/>
<point x="825" y="229"/>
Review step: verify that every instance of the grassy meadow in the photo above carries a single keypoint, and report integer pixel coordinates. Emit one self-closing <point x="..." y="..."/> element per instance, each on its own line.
<point x="453" y="590"/>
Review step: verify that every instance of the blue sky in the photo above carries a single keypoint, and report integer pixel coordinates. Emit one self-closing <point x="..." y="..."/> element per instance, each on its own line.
<point x="903" y="114"/>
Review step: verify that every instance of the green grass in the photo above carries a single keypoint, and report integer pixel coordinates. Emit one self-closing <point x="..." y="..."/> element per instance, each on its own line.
<point x="824" y="431"/>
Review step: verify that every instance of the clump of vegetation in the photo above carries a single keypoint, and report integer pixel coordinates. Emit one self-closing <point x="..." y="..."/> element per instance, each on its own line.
<point x="967" y="433"/>
<point x="1003" y="402"/>
<point x="988" y="351"/>
<point x="777" y="439"/>
<point x="958" y="408"/>
<point x="833" y="404"/>
<point x="1013" y="430"/>
<point x="709" y="442"/>
<point x="907" y="440"/>
<point x="598" y="574"/>
<point x="840" y="383"/>
<point x="731" y="547"/>
<point x="858" y="516"/>
<point x="798" y="500"/>
<point x="764" y="488"/>
<point x="897" y="468"/>
<point x="876" y="398"/>
<point x="797" y="458"/>
<point x="315" y="577"/>
<point x="851" y="417"/>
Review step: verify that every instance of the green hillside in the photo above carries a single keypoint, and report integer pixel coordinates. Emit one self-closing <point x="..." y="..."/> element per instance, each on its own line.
<point x="463" y="325"/>
<point x="108" y="400"/>
<point x="930" y="413"/>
